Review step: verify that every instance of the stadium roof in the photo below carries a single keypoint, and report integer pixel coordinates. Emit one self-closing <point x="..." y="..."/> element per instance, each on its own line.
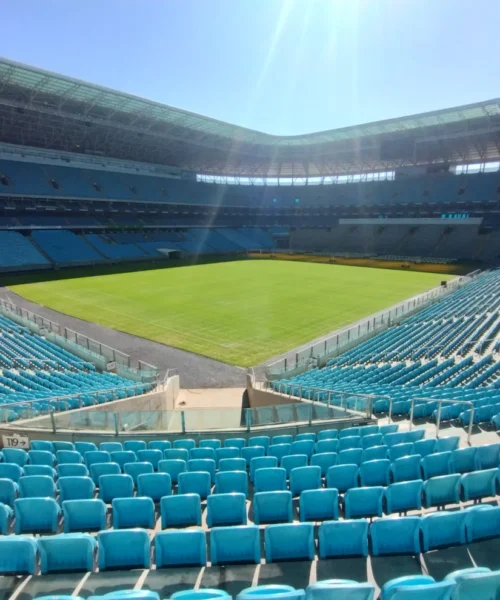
<point x="43" y="109"/>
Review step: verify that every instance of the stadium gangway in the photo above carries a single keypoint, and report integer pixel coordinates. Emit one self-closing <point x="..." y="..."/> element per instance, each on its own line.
<point x="438" y="419"/>
<point x="5" y="408"/>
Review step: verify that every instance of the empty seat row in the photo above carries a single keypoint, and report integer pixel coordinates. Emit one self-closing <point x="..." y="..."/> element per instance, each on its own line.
<point x="130" y="548"/>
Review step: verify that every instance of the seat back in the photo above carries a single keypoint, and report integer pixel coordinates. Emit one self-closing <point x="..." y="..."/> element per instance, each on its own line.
<point x="72" y="470"/>
<point x="350" y="457"/>
<point x="181" y="548"/>
<point x="304" y="478"/>
<point x="161" y="445"/>
<point x="195" y="453"/>
<point x="342" y="477"/>
<point x="181" y="510"/>
<point x="9" y="491"/>
<point x="184" y="444"/>
<point x="67" y="552"/>
<point x="231" y="481"/>
<point x="341" y="589"/>
<point x="424" y="447"/>
<point x="464" y="460"/>
<point x="107" y="468"/>
<point x="375" y="472"/>
<point x="203" y="465"/>
<point x="96" y="456"/>
<point x="442" y="529"/>
<point x="261" y="462"/>
<point x="195" y="482"/>
<point x="327" y="445"/>
<point x="343" y="538"/>
<point x="135" y="446"/>
<point x="227" y="453"/>
<point x="41" y="457"/>
<point x="75" y="488"/>
<point x="270" y="480"/>
<point x="124" y="549"/>
<point x="404" y="496"/>
<point x="395" y="536"/>
<point x="374" y="453"/>
<point x="226" y="509"/>
<point x="154" y="485"/>
<point x="302" y="447"/>
<point x="213" y="443"/>
<point x="133" y="512"/>
<point x="11" y="471"/>
<point x="235" y="545"/>
<point x="68" y="457"/>
<point x="110" y="447"/>
<point x="292" y="461"/>
<point x="399" y="450"/>
<point x="289" y="542"/>
<point x="137" y="468"/>
<point x="115" y="486"/>
<point x="437" y="464"/>
<point x="319" y="505"/>
<point x="84" y="515"/>
<point x="174" y="467"/>
<point x="363" y="502"/>
<point x="439" y="491"/>
<point x="36" y="515"/>
<point x="18" y="555"/>
<point x="37" y="486"/>
<point x="233" y="464"/>
<point x="406" y="468"/>
<point x="272" y="507"/>
<point x="176" y="454"/>
<point x="324" y="460"/>
<point x="84" y="447"/>
<point x="151" y="456"/>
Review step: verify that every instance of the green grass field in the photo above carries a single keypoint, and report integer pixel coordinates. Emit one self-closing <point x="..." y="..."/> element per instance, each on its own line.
<point x="241" y="312"/>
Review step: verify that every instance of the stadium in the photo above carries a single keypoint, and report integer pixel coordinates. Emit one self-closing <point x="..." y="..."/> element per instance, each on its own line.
<point x="235" y="364"/>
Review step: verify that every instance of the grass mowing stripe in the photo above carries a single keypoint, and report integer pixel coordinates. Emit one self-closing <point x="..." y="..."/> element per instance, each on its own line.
<point x="240" y="312"/>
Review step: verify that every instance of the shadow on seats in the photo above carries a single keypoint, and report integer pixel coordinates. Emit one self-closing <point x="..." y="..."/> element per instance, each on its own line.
<point x="294" y="573"/>
<point x="446" y="560"/>
<point x="354" y="568"/>
<point x="486" y="553"/>
<point x="168" y="581"/>
<point x="385" y="568"/>
<point x="230" y="578"/>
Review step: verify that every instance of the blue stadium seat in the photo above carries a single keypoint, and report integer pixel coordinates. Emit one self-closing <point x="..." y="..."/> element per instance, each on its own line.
<point x="75" y="488"/>
<point x="324" y="460"/>
<point x="182" y="510"/>
<point x="476" y="582"/>
<point x="154" y="485"/>
<point x="115" y="486"/>
<point x="134" y="445"/>
<point x="437" y="464"/>
<point x="137" y="468"/>
<point x="348" y="432"/>
<point x="363" y="502"/>
<point x="176" y="454"/>
<point x="302" y="447"/>
<point x="6" y="514"/>
<point x="479" y="484"/>
<point x="70" y="470"/>
<point x="305" y="436"/>
<point x="196" y="453"/>
<point x="174" y="467"/>
<point x="227" y="482"/>
<point x="293" y="461"/>
<point x="18" y="555"/>
<point x="261" y="462"/>
<point x="327" y="445"/>
<point x="374" y="439"/>
<point x="447" y="444"/>
<point x="395" y="536"/>
<point x="375" y="472"/>
<point x="67" y="552"/>
<point x="391" y="428"/>
<point x="181" y="548"/>
<point x="9" y="491"/>
<point x="41" y="470"/>
<point x="83" y="447"/>
<point x="319" y="505"/>
<point x="161" y="445"/>
<point x="391" y="439"/>
<point x="270" y="480"/>
<point x="84" y="515"/>
<point x="11" y="471"/>
<point x="349" y="442"/>
<point x="289" y="542"/>
<point x="201" y="594"/>
<point x="342" y="477"/>
<point x="481" y="525"/>
<point x="210" y="443"/>
<point x="133" y="512"/>
<point x="235" y="545"/>
<point x="442" y="490"/>
<point x="350" y="457"/>
<point x="68" y="457"/>
<point x="37" y="486"/>
<point x="341" y="589"/>
<point x="111" y="447"/>
<point x="239" y="443"/>
<point x="271" y="591"/>
<point x="399" y="450"/>
<point x="128" y="549"/>
<point x="489" y="456"/>
<point x="233" y="464"/>
<point x="226" y="509"/>
<point x="123" y="457"/>
<point x="281" y="439"/>
<point x="415" y="435"/>
<point x="42" y="445"/>
<point x="327" y="434"/>
<point x="260" y="440"/>
<point x="96" y="456"/>
<point x="305" y="478"/>
<point x="36" y="515"/>
<point x="279" y="450"/>
<point x="417" y="587"/>
<point x="16" y="456"/>
<point x="404" y="496"/>
<point x="250" y="452"/>
<point x="424" y="447"/>
<point x="226" y="453"/>
<point x="107" y="468"/>
<point x="184" y="444"/>
<point x="343" y="538"/>
<point x="374" y="453"/>
<point x="206" y="465"/>
<point x="41" y="457"/>
<point x="272" y="507"/>
<point x="150" y="456"/>
<point x="441" y="529"/>
<point x="195" y="482"/>
<point x="406" y="468"/>
<point x="464" y="460"/>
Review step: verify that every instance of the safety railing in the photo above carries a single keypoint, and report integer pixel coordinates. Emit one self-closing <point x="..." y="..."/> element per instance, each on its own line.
<point x="55" y="403"/>
<point x="347" y="337"/>
<point x="440" y="402"/>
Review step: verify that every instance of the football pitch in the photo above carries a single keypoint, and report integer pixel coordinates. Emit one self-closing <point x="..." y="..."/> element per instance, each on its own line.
<point x="240" y="312"/>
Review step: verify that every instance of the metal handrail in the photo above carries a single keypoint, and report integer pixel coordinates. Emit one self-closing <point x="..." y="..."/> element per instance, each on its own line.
<point x="438" y="420"/>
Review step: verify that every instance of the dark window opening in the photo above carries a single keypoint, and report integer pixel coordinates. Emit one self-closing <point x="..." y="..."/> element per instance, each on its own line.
<point x="4" y="180"/>
<point x="54" y="184"/>
<point x="96" y="187"/>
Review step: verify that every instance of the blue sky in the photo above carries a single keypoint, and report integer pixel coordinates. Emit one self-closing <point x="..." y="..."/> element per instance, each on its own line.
<point x="279" y="66"/>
